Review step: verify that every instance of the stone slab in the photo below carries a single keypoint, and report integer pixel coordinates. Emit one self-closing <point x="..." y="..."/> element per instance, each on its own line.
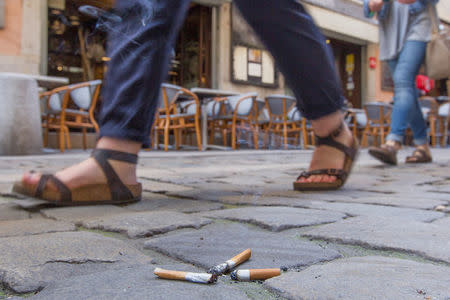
<point x="10" y="211"/>
<point x="138" y="283"/>
<point x="80" y="213"/>
<point x="154" y="202"/>
<point x="444" y="222"/>
<point x="429" y="240"/>
<point x="216" y="243"/>
<point x="29" y="263"/>
<point x="356" y="209"/>
<point x="32" y="226"/>
<point x="277" y="218"/>
<point x="365" y="278"/>
<point x="146" y="224"/>
<point x="162" y="187"/>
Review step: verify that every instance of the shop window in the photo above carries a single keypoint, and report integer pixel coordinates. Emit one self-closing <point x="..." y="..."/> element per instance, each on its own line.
<point x="251" y="64"/>
<point x="76" y="48"/>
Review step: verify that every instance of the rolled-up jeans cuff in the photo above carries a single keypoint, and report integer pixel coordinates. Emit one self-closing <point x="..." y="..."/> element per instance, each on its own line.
<point x="395" y="137"/>
<point x="421" y="141"/>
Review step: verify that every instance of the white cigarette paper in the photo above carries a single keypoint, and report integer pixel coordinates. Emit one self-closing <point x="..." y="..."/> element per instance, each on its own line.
<point x="186" y="276"/>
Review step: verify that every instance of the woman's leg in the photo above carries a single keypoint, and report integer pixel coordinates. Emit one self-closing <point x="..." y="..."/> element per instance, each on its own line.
<point x="139" y="48"/>
<point x="406" y="111"/>
<point x="305" y="59"/>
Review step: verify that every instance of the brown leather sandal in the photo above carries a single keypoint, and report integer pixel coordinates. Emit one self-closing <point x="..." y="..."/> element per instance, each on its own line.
<point x="419" y="156"/>
<point x="385" y="153"/>
<point x="340" y="174"/>
<point x="112" y="192"/>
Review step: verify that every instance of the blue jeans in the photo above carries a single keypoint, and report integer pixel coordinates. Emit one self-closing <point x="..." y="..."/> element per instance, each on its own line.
<point x="140" y="45"/>
<point x="406" y="111"/>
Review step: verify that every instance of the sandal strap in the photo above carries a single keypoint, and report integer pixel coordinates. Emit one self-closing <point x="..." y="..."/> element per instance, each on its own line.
<point x="329" y="141"/>
<point x="64" y="191"/>
<point x="117" y="188"/>
<point x="338" y="173"/>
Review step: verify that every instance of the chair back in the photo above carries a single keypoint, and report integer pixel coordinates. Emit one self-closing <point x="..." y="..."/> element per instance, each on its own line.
<point x="244" y="107"/>
<point x="378" y="112"/>
<point x="444" y="110"/>
<point x="55" y="101"/>
<point x="168" y="95"/>
<point x="84" y="96"/>
<point x="294" y="114"/>
<point x="280" y="105"/>
<point x="428" y="105"/>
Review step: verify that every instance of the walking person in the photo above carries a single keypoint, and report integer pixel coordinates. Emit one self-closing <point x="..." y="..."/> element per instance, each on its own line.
<point x="405" y="28"/>
<point x="139" y="48"/>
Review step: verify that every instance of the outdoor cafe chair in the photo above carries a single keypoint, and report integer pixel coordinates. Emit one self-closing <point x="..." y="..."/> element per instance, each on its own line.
<point x="429" y="107"/>
<point x="284" y="118"/>
<point x="176" y="117"/>
<point x="70" y="106"/>
<point x="444" y="123"/>
<point x="236" y="113"/>
<point x="378" y="122"/>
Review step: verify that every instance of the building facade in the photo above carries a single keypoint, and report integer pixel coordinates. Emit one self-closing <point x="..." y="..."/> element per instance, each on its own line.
<point x="215" y="47"/>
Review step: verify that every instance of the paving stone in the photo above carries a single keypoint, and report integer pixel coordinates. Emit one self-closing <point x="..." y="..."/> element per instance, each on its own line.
<point x="444" y="222"/>
<point x="365" y="278"/>
<point x="80" y="213"/>
<point x="145" y="224"/>
<point x="154" y="202"/>
<point x="10" y="211"/>
<point x="277" y="218"/>
<point x="162" y="187"/>
<point x="356" y="209"/>
<point x="32" y="226"/>
<point x="138" y="282"/>
<point x="425" y="239"/>
<point x="29" y="263"/>
<point x="216" y="243"/>
<point x="205" y="194"/>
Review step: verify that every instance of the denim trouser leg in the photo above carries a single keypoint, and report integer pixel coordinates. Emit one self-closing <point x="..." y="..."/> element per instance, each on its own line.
<point x="406" y="111"/>
<point x="139" y="48"/>
<point x="300" y="51"/>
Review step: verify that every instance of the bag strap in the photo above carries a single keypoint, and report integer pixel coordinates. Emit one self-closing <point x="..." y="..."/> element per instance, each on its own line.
<point x="432" y="11"/>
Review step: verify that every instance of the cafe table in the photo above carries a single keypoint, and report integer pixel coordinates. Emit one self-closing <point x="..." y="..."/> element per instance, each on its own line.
<point x="204" y="95"/>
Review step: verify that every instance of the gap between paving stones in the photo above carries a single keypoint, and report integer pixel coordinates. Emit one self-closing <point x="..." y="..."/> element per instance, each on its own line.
<point x="367" y="246"/>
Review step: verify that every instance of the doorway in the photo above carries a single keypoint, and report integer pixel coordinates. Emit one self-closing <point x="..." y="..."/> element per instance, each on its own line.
<point x="348" y="64"/>
<point x="191" y="66"/>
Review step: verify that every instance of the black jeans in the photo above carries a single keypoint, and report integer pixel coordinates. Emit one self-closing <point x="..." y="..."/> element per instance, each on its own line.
<point x="140" y="46"/>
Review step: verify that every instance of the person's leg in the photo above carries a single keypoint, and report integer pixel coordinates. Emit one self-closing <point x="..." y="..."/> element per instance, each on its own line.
<point x="305" y="59"/>
<point x="139" y="48"/>
<point x="406" y="111"/>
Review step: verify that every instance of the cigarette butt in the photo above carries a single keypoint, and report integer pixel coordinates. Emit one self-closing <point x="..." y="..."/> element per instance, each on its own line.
<point x="231" y="263"/>
<point x="186" y="276"/>
<point x="241" y="257"/>
<point x="255" y="274"/>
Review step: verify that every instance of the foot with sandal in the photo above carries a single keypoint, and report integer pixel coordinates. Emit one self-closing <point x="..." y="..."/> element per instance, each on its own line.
<point x="131" y="91"/>
<point x="387" y="153"/>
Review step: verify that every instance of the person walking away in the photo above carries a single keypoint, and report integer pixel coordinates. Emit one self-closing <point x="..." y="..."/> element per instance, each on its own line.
<point x="404" y="28"/>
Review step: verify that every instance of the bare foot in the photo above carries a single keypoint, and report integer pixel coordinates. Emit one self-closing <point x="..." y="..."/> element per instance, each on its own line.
<point x="326" y="157"/>
<point x="89" y="172"/>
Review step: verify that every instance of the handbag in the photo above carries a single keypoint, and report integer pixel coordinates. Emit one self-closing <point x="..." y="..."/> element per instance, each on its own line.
<point x="437" y="59"/>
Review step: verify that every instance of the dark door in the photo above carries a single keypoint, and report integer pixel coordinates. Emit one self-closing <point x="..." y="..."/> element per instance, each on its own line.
<point x="192" y="64"/>
<point x="348" y="64"/>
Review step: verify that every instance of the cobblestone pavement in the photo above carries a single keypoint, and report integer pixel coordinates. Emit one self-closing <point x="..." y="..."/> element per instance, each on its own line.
<point x="385" y="235"/>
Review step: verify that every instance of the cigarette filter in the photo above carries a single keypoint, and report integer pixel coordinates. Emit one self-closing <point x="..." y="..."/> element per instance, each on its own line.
<point x="186" y="276"/>
<point x="231" y="263"/>
<point x="255" y="274"/>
